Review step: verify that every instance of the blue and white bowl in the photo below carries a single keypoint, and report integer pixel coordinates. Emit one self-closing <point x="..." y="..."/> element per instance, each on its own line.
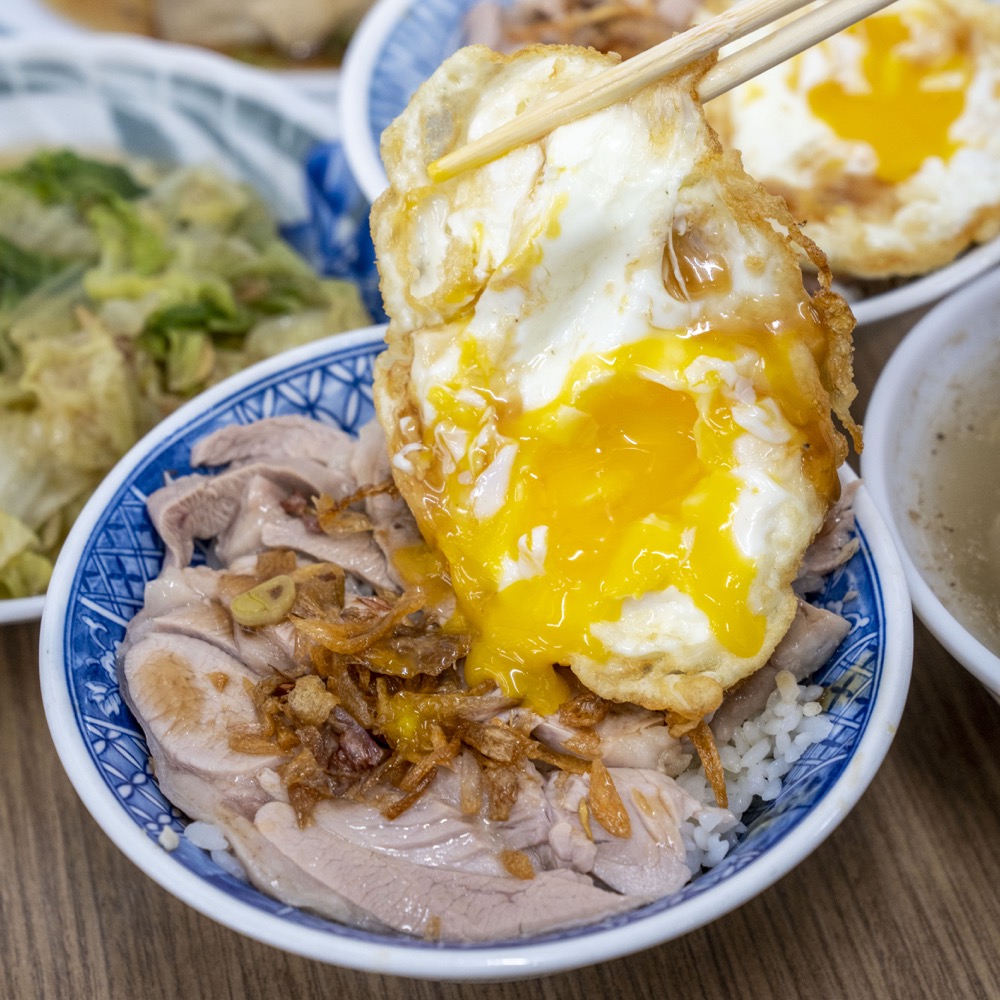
<point x="397" y="45"/>
<point x="114" y="95"/>
<point x="400" y="43"/>
<point x="98" y="586"/>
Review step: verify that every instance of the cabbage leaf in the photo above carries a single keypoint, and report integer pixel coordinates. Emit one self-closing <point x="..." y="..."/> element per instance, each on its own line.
<point x="148" y="287"/>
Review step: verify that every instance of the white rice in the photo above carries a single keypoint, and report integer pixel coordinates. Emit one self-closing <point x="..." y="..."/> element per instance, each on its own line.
<point x="230" y="864"/>
<point x="761" y="752"/>
<point x="207" y="836"/>
<point x="168" y="839"/>
<point x="211" y="839"/>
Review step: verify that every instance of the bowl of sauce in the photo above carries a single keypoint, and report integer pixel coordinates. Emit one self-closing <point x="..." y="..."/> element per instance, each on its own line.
<point x="932" y="465"/>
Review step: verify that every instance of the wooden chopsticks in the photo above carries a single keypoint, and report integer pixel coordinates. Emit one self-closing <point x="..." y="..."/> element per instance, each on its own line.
<point x="623" y="80"/>
<point x="785" y="42"/>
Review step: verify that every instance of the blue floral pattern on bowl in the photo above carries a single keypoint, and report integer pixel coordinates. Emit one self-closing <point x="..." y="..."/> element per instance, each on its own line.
<point x="331" y="382"/>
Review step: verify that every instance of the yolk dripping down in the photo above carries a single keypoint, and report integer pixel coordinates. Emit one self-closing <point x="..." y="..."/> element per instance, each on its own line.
<point x="907" y="110"/>
<point x="621" y="486"/>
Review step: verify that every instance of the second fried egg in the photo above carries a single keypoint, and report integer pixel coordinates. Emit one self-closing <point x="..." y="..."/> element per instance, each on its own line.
<point x="884" y="139"/>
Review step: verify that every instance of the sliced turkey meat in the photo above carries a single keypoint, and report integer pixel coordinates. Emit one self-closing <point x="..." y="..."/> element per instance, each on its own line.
<point x="189" y="696"/>
<point x="392" y="523"/>
<point x="444" y="866"/>
<point x="281" y="438"/>
<point x="649" y="863"/>
<point x="836" y="542"/>
<point x="357" y="552"/>
<point x="202" y="506"/>
<point x="412" y="898"/>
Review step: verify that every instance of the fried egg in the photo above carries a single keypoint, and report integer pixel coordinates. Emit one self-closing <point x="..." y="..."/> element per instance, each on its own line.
<point x="884" y="139"/>
<point x="608" y="397"/>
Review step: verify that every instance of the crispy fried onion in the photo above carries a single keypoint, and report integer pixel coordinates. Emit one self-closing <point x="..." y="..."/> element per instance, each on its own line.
<point x="336" y="517"/>
<point x="700" y="734"/>
<point x="381" y="704"/>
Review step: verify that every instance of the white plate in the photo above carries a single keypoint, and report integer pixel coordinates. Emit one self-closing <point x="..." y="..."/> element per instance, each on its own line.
<point x="32" y="15"/>
<point x="177" y="104"/>
<point x="37" y="17"/>
<point x="23" y="609"/>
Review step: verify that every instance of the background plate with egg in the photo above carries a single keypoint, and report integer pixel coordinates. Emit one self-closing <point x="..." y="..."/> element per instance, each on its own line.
<point x="400" y="43"/>
<point x="98" y="586"/>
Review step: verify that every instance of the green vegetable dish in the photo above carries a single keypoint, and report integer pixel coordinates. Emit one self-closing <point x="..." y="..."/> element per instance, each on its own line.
<point x="124" y="290"/>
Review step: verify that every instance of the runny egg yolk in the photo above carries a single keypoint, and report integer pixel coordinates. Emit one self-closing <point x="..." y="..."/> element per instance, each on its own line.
<point x="909" y="105"/>
<point x="621" y="486"/>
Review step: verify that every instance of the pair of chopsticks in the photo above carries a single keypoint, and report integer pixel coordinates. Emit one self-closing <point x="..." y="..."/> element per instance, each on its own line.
<point x="623" y="80"/>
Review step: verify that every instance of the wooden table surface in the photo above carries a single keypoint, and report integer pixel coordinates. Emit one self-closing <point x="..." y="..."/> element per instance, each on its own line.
<point x="902" y="900"/>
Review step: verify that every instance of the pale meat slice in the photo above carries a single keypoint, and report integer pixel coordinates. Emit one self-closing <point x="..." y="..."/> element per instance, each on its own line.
<point x="189" y="695"/>
<point x="279" y="438"/>
<point x="201" y="507"/>
<point x="260" y="504"/>
<point x="636" y="737"/>
<point x="184" y="602"/>
<point x="242" y="509"/>
<point x="265" y="462"/>
<point x="435" y="833"/>
<point x="415" y="899"/>
<point x="392" y="523"/>
<point x="835" y="544"/>
<point x="357" y="552"/>
<point x="813" y="638"/>
<point x="650" y="863"/>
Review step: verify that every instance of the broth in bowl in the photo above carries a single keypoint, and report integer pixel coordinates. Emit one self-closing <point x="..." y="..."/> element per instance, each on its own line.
<point x="955" y="524"/>
<point x="930" y="461"/>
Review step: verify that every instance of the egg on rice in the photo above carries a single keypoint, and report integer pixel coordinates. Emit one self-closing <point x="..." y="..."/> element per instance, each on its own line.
<point x="609" y="400"/>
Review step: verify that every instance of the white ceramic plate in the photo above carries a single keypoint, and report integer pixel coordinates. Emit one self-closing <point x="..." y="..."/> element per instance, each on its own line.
<point x="98" y="586"/>
<point x="174" y="104"/>
<point x="23" y="609"/>
<point x="34" y="15"/>
<point x="400" y="43"/>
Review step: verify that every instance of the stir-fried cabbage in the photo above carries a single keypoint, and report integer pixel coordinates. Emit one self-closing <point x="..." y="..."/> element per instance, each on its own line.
<point x="123" y="292"/>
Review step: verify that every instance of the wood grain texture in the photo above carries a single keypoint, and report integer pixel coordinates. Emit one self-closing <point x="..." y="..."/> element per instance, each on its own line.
<point x="901" y="901"/>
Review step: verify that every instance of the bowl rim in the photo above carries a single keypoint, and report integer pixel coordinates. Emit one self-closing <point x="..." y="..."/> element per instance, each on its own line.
<point x="356" y="70"/>
<point x="91" y="49"/>
<point x="488" y="962"/>
<point x="362" y="151"/>
<point x="909" y="363"/>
